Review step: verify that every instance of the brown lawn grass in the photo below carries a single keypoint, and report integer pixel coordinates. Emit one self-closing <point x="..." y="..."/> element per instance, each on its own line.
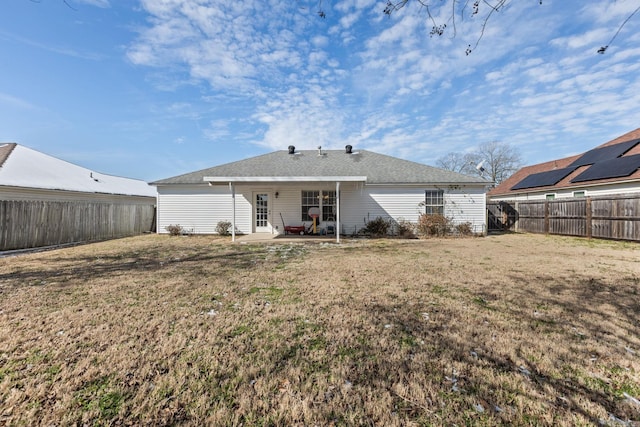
<point x="158" y="330"/>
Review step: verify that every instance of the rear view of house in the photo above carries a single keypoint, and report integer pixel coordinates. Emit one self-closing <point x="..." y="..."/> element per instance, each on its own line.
<point x="341" y="190"/>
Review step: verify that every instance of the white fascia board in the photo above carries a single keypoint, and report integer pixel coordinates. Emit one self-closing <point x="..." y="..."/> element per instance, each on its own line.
<point x="225" y="179"/>
<point x="430" y="184"/>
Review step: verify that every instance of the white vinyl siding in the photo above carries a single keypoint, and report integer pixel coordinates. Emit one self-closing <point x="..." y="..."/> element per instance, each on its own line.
<point x="467" y="204"/>
<point x="463" y="204"/>
<point x="199" y="208"/>
<point x="286" y="208"/>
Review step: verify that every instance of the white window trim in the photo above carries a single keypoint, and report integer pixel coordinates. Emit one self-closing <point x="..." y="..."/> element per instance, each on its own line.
<point x="427" y="206"/>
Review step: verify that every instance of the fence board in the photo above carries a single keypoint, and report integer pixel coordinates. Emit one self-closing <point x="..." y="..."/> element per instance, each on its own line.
<point x="531" y="217"/>
<point x="612" y="217"/>
<point x="568" y="217"/>
<point x="32" y="224"/>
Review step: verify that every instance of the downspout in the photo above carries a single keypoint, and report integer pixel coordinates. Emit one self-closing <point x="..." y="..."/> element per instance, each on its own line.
<point x="233" y="212"/>
<point x="337" y="211"/>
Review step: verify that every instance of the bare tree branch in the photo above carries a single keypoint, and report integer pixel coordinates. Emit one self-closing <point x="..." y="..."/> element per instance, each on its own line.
<point x="457" y="8"/>
<point x="499" y="161"/>
<point x="603" y="49"/>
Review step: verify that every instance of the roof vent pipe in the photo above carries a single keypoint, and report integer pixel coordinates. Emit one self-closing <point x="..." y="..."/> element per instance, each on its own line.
<point x="347" y="149"/>
<point x="292" y="149"/>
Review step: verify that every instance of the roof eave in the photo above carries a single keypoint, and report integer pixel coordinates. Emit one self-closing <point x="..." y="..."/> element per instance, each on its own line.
<point x="234" y="179"/>
<point x="433" y="183"/>
<point x="551" y="189"/>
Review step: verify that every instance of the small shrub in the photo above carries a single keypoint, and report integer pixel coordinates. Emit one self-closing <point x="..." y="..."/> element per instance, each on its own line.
<point x="434" y="225"/>
<point x="464" y="229"/>
<point x="223" y="228"/>
<point x="377" y="227"/>
<point x="405" y="229"/>
<point x="174" y="230"/>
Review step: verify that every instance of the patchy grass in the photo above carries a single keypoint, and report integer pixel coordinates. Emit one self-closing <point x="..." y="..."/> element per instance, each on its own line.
<point x="158" y="330"/>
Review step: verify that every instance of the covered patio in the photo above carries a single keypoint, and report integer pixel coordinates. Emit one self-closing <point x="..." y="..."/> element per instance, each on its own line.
<point x="267" y="188"/>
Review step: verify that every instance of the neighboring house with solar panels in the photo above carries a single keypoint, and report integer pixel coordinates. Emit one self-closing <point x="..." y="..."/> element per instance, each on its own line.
<point x="612" y="168"/>
<point x="283" y="190"/>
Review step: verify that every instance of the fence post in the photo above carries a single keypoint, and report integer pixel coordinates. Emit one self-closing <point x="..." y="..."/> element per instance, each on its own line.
<point x="546" y="217"/>
<point x="589" y="219"/>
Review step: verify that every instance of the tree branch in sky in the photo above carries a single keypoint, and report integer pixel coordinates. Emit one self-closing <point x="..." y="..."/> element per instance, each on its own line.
<point x="458" y="9"/>
<point x="494" y="160"/>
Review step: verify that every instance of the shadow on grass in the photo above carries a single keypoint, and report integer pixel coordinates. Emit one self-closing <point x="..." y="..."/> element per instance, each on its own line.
<point x="562" y="395"/>
<point x="72" y="269"/>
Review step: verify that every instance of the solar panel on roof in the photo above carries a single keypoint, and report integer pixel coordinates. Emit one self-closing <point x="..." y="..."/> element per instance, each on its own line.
<point x="612" y="168"/>
<point x="604" y="153"/>
<point x="543" y="179"/>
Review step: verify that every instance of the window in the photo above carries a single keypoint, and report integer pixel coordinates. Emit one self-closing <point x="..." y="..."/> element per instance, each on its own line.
<point x="550" y="196"/>
<point x="325" y="200"/>
<point x="328" y="202"/>
<point x="434" y="202"/>
<point x="578" y="194"/>
<point x="310" y="199"/>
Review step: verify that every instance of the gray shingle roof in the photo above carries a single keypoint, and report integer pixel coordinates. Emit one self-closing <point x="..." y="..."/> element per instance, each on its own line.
<point x="378" y="168"/>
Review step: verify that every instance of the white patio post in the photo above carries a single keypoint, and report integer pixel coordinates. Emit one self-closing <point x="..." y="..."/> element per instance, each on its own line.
<point x="337" y="211"/>
<point x="233" y="211"/>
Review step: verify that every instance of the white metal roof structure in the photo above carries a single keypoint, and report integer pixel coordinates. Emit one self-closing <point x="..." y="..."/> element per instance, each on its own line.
<point x="26" y="168"/>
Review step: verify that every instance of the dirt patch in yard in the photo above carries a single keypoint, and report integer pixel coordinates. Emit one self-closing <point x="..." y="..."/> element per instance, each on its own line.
<point x="159" y="330"/>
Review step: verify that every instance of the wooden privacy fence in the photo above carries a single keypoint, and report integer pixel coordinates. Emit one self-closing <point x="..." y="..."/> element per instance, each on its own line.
<point x="32" y="224"/>
<point x="603" y="217"/>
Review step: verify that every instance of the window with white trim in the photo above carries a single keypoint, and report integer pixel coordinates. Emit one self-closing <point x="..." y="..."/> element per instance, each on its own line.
<point x="434" y="202"/>
<point x="310" y="199"/>
<point x="324" y="200"/>
<point x="328" y="202"/>
<point x="579" y="194"/>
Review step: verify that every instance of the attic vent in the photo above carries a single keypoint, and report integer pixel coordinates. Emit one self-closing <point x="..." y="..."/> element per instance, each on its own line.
<point x="292" y="149"/>
<point x="347" y="149"/>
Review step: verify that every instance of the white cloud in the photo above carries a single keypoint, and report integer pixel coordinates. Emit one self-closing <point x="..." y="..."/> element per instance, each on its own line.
<point x="357" y="77"/>
<point x="591" y="38"/>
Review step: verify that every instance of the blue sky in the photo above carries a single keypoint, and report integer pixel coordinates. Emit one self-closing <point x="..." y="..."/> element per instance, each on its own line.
<point x="151" y="89"/>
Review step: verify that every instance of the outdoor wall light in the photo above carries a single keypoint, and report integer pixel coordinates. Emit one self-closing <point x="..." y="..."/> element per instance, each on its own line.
<point x="276" y="194"/>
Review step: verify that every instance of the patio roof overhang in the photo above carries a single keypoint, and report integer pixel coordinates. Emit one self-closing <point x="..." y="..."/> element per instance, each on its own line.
<point x="232" y="180"/>
<point x="281" y="179"/>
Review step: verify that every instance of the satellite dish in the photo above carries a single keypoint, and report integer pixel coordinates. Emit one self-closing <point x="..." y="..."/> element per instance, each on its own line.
<point x="480" y="167"/>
